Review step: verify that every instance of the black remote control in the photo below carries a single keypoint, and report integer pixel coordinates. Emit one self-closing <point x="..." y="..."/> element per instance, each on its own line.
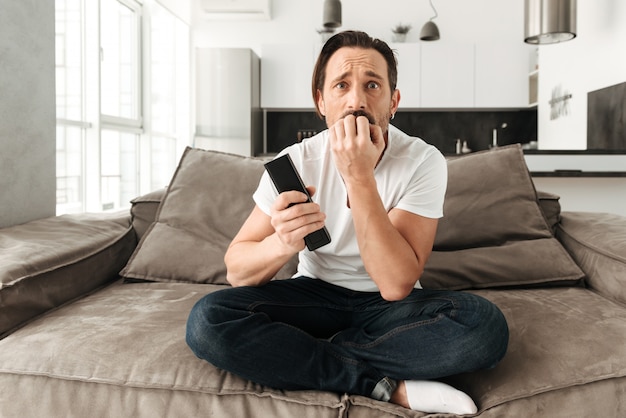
<point x="286" y="178"/>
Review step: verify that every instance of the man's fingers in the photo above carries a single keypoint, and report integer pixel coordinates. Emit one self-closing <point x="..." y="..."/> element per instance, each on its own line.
<point x="363" y="128"/>
<point x="286" y="199"/>
<point x="349" y="126"/>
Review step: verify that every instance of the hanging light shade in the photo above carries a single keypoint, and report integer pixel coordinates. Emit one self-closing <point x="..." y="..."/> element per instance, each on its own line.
<point x="430" y="31"/>
<point x="549" y="21"/>
<point x="332" y="13"/>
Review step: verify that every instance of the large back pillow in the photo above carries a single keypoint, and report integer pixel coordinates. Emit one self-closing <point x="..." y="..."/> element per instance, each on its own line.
<point x="207" y="201"/>
<point x="493" y="233"/>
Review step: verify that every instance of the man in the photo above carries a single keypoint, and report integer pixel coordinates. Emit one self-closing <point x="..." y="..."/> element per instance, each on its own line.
<point x="354" y="319"/>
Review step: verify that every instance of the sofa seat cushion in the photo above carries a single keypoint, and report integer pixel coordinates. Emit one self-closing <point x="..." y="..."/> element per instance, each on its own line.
<point x="48" y="262"/>
<point x="597" y="241"/>
<point x="560" y="339"/>
<point x="122" y="352"/>
<point x="122" y="349"/>
<point x="566" y="358"/>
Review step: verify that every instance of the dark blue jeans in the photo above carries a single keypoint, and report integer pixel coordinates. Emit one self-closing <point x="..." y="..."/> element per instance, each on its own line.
<point x="308" y="334"/>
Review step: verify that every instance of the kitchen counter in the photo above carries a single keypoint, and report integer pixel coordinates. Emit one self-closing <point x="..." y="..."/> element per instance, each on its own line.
<point x="557" y="163"/>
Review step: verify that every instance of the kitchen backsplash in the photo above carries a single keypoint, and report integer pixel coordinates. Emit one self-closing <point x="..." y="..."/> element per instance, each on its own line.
<point x="441" y="128"/>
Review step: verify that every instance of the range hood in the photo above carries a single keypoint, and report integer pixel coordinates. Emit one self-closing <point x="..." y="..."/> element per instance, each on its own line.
<point x="236" y="9"/>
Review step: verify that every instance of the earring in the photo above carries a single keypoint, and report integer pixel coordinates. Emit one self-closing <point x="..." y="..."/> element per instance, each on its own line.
<point x="393" y="115"/>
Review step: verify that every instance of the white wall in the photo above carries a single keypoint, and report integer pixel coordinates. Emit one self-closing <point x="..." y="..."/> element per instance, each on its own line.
<point x="587" y="194"/>
<point x="27" y="111"/>
<point x="296" y="21"/>
<point x="596" y="58"/>
<point x="180" y="8"/>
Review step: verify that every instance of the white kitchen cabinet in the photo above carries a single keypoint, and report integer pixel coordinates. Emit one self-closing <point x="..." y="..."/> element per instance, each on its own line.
<point x="286" y="72"/>
<point x="501" y="75"/>
<point x="431" y="75"/>
<point x="408" y="56"/>
<point x="447" y="75"/>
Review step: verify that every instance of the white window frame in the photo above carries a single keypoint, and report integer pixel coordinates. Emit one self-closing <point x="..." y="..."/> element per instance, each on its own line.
<point x="122" y="125"/>
<point x="94" y="121"/>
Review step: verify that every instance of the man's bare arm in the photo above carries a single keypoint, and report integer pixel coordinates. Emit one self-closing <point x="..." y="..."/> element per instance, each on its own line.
<point x="266" y="243"/>
<point x="394" y="246"/>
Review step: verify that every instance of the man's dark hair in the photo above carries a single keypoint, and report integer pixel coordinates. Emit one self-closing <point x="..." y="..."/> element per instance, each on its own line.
<point x="354" y="39"/>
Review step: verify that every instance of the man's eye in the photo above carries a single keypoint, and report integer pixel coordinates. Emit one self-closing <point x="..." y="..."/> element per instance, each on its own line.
<point x="373" y="85"/>
<point x="341" y="86"/>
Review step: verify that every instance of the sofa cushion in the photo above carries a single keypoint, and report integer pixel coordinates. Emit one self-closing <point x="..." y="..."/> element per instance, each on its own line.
<point x="493" y="233"/>
<point x="551" y="208"/>
<point x="597" y="241"/>
<point x="563" y="359"/>
<point x="121" y="352"/>
<point x="48" y="262"/>
<point x="561" y="339"/>
<point x="207" y="201"/>
<point x="143" y="211"/>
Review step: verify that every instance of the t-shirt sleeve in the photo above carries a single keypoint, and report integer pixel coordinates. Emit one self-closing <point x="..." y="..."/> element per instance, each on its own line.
<point x="265" y="194"/>
<point x="426" y="190"/>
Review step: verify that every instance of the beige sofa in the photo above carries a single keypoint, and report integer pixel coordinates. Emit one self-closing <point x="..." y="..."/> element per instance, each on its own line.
<point x="79" y="340"/>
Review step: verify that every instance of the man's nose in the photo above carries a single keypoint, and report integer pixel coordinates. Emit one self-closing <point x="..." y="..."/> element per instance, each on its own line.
<point x="356" y="99"/>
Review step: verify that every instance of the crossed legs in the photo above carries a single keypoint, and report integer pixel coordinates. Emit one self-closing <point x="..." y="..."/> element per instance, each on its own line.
<point x="308" y="334"/>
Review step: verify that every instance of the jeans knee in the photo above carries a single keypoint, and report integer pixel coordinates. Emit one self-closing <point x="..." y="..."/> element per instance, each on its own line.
<point x="488" y="332"/>
<point x="196" y="330"/>
<point x="208" y="327"/>
<point x="496" y="334"/>
<point x="201" y="324"/>
<point x="503" y="342"/>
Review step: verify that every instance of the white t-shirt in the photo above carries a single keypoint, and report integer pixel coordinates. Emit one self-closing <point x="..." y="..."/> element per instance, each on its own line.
<point x="412" y="175"/>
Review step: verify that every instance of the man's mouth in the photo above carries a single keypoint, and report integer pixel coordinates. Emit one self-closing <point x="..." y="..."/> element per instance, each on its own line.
<point x="358" y="113"/>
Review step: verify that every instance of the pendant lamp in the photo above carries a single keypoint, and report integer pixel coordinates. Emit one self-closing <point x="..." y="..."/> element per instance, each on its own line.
<point x="430" y="31"/>
<point x="549" y="21"/>
<point x="332" y="13"/>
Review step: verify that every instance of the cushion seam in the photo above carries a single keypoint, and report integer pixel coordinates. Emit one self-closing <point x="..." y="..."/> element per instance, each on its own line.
<point x="156" y="386"/>
<point x="555" y="388"/>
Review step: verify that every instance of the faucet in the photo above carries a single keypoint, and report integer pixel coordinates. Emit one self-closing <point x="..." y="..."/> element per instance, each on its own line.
<point x="494" y="138"/>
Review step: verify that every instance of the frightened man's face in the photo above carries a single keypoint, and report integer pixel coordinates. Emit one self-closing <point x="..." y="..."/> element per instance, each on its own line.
<point x="357" y="83"/>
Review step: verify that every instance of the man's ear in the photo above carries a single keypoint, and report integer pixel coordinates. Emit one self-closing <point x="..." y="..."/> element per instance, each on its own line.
<point x="395" y="102"/>
<point x="320" y="103"/>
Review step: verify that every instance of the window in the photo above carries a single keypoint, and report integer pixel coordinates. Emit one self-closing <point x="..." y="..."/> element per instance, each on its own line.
<point x="69" y="167"/>
<point x="71" y="123"/>
<point x="170" y="87"/>
<point x="123" y="101"/>
<point x="120" y="98"/>
<point x="119" y="61"/>
<point x="118" y="168"/>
